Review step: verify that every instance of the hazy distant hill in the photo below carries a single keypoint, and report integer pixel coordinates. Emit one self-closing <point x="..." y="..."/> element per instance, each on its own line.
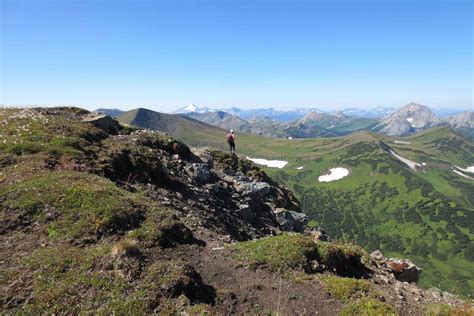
<point x="375" y="113"/>
<point x="252" y="114"/>
<point x="461" y="120"/>
<point x="278" y="115"/>
<point x="316" y="124"/>
<point x="221" y="119"/>
<point x="175" y="124"/>
<point x="109" y="112"/>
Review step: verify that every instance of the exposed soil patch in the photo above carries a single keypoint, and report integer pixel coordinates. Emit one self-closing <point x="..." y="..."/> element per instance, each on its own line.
<point x="243" y="291"/>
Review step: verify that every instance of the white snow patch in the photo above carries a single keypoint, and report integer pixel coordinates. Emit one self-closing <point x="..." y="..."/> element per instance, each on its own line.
<point x="269" y="163"/>
<point x="468" y="169"/>
<point x="334" y="174"/>
<point x="402" y="142"/>
<point x="462" y="174"/>
<point x="410" y="119"/>
<point x="191" y="108"/>
<point x="413" y="165"/>
<point x="300" y="168"/>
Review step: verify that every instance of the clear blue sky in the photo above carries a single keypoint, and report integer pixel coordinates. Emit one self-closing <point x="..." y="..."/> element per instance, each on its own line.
<point x="166" y="54"/>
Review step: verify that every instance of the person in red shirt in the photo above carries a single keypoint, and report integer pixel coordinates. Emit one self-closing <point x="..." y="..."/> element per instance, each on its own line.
<point x="231" y="140"/>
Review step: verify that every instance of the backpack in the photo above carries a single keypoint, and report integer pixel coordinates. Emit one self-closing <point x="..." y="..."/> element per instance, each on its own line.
<point x="230" y="137"/>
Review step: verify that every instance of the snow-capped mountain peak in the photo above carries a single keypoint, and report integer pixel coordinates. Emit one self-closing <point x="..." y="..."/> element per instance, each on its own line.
<point x="193" y="108"/>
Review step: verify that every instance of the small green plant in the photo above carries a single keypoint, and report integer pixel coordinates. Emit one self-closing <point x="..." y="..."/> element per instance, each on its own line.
<point x="368" y="307"/>
<point x="278" y="253"/>
<point x="345" y="289"/>
<point x="329" y="250"/>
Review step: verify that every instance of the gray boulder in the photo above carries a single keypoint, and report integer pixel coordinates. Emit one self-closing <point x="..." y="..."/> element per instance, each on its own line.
<point x="291" y="220"/>
<point x="199" y="172"/>
<point x="256" y="188"/>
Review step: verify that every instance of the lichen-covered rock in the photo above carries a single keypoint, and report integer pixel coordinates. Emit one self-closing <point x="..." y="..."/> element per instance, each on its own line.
<point x="255" y="188"/>
<point x="199" y="172"/>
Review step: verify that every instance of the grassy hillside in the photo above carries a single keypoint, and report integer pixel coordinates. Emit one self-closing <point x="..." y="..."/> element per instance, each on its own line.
<point x="426" y="215"/>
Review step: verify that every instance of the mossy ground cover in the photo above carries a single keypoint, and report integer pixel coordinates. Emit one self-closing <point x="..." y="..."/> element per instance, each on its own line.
<point x="91" y="209"/>
<point x="368" y="307"/>
<point x="85" y="204"/>
<point x="346" y="289"/>
<point x="295" y="252"/>
<point x="28" y="131"/>
<point x="285" y="252"/>
<point x="91" y="280"/>
<point x="439" y="309"/>
<point x="76" y="215"/>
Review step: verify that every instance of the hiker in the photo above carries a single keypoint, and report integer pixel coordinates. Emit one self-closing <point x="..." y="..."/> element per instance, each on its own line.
<point x="231" y="140"/>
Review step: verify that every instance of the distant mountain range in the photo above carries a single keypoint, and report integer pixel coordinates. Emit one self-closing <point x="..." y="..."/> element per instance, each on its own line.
<point x="221" y="119"/>
<point x="312" y="122"/>
<point x="378" y="112"/>
<point x="316" y="124"/>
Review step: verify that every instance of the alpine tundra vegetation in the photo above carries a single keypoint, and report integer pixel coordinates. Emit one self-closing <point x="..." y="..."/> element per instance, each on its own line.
<point x="103" y="218"/>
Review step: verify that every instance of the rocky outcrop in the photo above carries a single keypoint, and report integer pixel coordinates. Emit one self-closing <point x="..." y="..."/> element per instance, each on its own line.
<point x="215" y="190"/>
<point x="402" y="269"/>
<point x="291" y="220"/>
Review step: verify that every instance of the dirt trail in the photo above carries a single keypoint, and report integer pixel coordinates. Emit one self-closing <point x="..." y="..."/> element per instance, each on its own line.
<point x="243" y="291"/>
